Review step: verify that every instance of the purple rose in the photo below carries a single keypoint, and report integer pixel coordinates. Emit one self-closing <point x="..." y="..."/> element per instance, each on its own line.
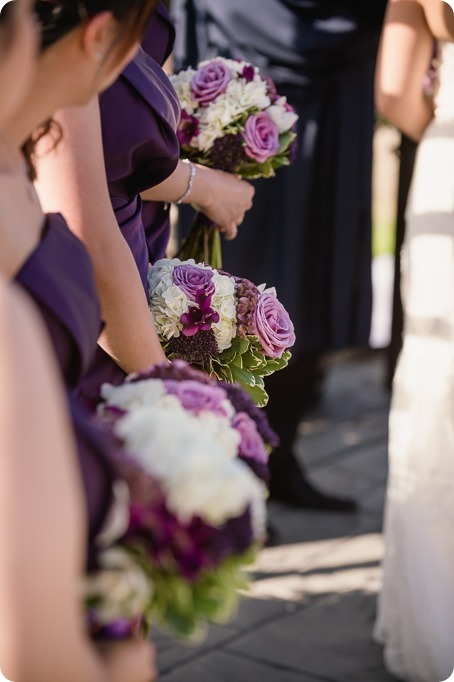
<point x="193" y="280"/>
<point x="187" y="128"/>
<point x="196" y="397"/>
<point x="251" y="445"/>
<point x="274" y="326"/>
<point x="210" y="81"/>
<point x="261" y="136"/>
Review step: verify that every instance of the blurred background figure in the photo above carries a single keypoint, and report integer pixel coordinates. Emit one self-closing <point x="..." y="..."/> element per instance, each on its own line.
<point x="416" y="606"/>
<point x="309" y="231"/>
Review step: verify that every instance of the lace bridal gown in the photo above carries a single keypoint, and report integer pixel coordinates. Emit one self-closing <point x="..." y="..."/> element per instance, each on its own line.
<point x="416" y="607"/>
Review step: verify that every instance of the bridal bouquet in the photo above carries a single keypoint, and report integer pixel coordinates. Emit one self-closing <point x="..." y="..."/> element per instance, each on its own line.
<point x="225" y="325"/>
<point x="233" y="119"/>
<point x="195" y="469"/>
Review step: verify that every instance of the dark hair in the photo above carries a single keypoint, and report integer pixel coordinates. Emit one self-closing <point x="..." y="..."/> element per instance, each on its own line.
<point x="59" y="17"/>
<point x="56" y="18"/>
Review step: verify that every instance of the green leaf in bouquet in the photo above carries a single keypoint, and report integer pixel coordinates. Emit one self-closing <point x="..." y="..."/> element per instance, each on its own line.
<point x="251" y="361"/>
<point x="280" y="161"/>
<point x="286" y="140"/>
<point x="222" y="371"/>
<point x="238" y="360"/>
<point x="240" y="344"/>
<point x="243" y="376"/>
<point x="258" y="394"/>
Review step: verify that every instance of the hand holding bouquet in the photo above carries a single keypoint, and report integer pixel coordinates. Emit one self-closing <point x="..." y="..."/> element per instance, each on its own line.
<point x="196" y="471"/>
<point x="233" y="119"/>
<point x="225" y="325"/>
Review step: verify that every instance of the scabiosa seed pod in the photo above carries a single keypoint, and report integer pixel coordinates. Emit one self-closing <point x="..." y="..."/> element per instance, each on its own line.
<point x="196" y="349"/>
<point x="227" y="153"/>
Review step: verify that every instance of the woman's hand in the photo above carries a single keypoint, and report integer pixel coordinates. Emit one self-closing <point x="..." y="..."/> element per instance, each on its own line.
<point x="223" y="197"/>
<point x="131" y="660"/>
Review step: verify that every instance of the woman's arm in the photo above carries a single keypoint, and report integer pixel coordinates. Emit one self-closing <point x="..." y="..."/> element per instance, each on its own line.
<point x="72" y="180"/>
<point x="403" y="60"/>
<point x="42" y="522"/>
<point x="222" y="197"/>
<point x="440" y="18"/>
<point x="41" y="513"/>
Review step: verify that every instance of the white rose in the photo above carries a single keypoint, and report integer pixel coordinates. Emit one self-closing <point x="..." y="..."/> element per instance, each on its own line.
<point x="283" y="119"/>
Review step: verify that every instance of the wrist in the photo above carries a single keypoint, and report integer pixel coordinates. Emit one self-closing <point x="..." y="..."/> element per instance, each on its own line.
<point x="204" y="188"/>
<point x="184" y="198"/>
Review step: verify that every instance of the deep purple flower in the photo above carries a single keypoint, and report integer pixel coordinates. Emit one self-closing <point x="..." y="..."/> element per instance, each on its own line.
<point x="274" y="326"/>
<point x="187" y="128"/>
<point x="248" y="73"/>
<point x="200" y="317"/>
<point x="193" y="280"/>
<point x="251" y="445"/>
<point x="261" y="136"/>
<point x="270" y="88"/>
<point x="196" y="397"/>
<point x="209" y="81"/>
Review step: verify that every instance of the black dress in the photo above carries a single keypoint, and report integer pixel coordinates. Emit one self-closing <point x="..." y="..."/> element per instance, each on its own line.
<point x="309" y="231"/>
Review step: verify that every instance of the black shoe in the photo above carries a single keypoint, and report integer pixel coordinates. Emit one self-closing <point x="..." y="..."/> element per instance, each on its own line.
<point x="272" y="536"/>
<point x="294" y="490"/>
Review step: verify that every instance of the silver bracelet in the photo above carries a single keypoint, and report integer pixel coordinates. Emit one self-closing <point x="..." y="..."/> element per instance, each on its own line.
<point x="192" y="173"/>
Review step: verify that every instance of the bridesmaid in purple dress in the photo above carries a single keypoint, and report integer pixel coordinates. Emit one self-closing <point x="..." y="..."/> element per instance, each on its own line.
<point x="53" y="267"/>
<point x="137" y="128"/>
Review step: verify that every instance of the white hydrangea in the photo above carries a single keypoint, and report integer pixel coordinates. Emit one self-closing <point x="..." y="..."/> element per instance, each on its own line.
<point x="206" y="137"/>
<point x="193" y="458"/>
<point x="224" y="332"/>
<point x="182" y="85"/>
<point x="168" y="327"/>
<point x="129" y="396"/>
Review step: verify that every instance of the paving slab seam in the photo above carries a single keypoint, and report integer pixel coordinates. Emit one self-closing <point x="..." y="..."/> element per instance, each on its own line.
<point x="238" y="635"/>
<point x="279" y="666"/>
<point x="347" y="450"/>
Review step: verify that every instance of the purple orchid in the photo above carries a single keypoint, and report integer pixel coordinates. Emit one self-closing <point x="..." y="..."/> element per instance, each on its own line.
<point x="200" y="317"/>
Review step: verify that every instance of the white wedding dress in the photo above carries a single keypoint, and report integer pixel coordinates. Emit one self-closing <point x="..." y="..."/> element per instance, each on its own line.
<point x="416" y="607"/>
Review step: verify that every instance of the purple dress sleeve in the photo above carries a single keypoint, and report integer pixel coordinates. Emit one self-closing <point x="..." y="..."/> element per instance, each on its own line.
<point x="139" y="116"/>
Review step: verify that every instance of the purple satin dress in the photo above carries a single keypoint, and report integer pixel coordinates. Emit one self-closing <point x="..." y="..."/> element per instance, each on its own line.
<point x="58" y="276"/>
<point x="139" y="117"/>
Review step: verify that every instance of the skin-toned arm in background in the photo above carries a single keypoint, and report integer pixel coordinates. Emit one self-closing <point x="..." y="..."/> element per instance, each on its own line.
<point x="222" y="197"/>
<point x="72" y="181"/>
<point x="440" y="18"/>
<point x="42" y="522"/>
<point x="404" y="56"/>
